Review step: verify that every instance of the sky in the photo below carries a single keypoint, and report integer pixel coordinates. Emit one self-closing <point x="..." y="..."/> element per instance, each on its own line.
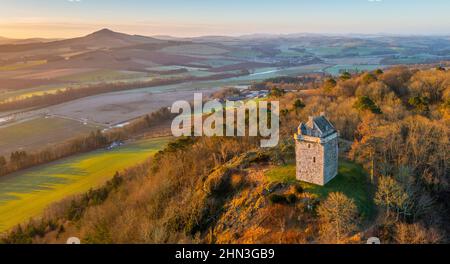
<point x="186" y="18"/>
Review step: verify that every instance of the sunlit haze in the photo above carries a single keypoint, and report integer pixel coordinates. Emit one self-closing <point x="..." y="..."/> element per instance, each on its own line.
<point x="70" y="18"/>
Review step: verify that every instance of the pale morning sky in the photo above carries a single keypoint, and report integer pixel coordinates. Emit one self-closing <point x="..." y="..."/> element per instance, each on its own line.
<point x="69" y="18"/>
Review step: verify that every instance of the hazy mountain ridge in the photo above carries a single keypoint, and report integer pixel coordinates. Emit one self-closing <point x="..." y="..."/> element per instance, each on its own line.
<point x="145" y="57"/>
<point x="6" y="41"/>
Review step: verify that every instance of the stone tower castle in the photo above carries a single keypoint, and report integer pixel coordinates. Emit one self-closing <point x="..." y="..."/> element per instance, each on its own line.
<point x="316" y="149"/>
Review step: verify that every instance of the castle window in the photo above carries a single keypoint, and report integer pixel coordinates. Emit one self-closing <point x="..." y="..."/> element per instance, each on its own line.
<point x="314" y="159"/>
<point x="309" y="145"/>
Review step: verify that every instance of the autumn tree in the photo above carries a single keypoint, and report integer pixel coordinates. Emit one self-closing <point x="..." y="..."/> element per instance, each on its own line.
<point x="3" y="164"/>
<point x="298" y="105"/>
<point x="376" y="91"/>
<point x="226" y="92"/>
<point x="366" y="147"/>
<point x="416" y="234"/>
<point x="277" y="92"/>
<point x="345" y="76"/>
<point x="329" y="84"/>
<point x="420" y="103"/>
<point x="430" y="84"/>
<point x="369" y="78"/>
<point x="365" y="103"/>
<point x="390" y="196"/>
<point x="397" y="79"/>
<point x="338" y="216"/>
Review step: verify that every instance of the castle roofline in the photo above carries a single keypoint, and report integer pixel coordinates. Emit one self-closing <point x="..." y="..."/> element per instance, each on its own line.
<point x="318" y="126"/>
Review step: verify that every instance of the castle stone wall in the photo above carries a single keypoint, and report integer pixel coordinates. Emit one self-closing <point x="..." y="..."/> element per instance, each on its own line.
<point x="331" y="159"/>
<point x="325" y="154"/>
<point x="307" y="169"/>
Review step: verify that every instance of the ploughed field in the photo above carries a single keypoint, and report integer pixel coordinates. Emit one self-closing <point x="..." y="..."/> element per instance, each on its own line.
<point x="118" y="107"/>
<point x="27" y="193"/>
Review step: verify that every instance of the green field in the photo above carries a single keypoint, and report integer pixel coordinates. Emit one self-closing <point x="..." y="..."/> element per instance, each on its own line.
<point x="351" y="180"/>
<point x="26" y="194"/>
<point x="40" y="133"/>
<point x="23" y="93"/>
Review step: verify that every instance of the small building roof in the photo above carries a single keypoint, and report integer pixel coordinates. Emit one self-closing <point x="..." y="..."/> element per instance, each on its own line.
<point x="318" y="126"/>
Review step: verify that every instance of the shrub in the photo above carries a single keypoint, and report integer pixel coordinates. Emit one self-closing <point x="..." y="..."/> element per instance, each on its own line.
<point x="378" y="71"/>
<point x="298" y="188"/>
<point x="284" y="112"/>
<point x="291" y="198"/>
<point x="277" y="199"/>
<point x="420" y="103"/>
<point x="260" y="157"/>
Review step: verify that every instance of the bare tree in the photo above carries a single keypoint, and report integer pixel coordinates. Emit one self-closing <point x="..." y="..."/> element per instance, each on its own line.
<point x="338" y="217"/>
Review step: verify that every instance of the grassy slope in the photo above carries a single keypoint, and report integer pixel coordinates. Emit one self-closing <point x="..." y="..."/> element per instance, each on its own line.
<point x="28" y="193"/>
<point x="351" y="180"/>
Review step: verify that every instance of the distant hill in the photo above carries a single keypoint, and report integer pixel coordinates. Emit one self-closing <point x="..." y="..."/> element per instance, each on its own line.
<point x="101" y="49"/>
<point x="4" y="41"/>
<point x="104" y="38"/>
